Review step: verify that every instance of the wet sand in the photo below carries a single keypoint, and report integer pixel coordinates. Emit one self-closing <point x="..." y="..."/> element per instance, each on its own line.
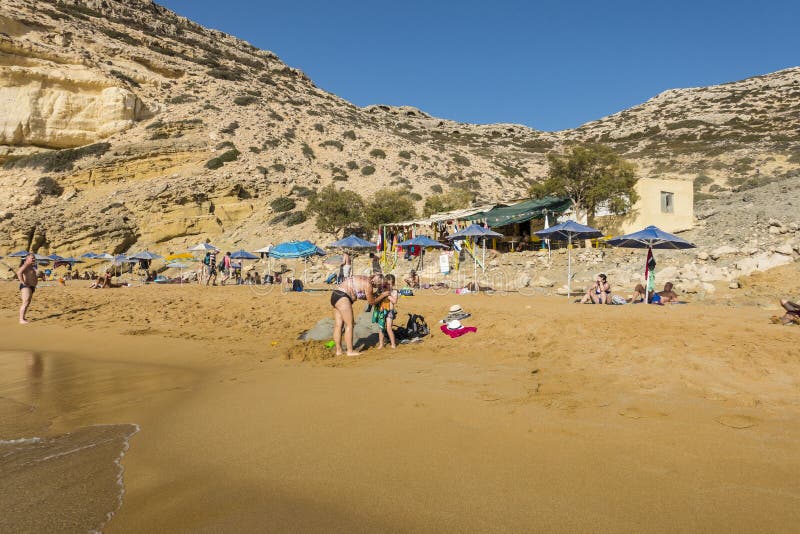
<point x="552" y="417"/>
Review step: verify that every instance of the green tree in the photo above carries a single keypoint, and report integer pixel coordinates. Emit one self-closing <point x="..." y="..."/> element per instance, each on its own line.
<point x="590" y="175"/>
<point x="388" y="206"/>
<point x="336" y="210"/>
<point x="454" y="199"/>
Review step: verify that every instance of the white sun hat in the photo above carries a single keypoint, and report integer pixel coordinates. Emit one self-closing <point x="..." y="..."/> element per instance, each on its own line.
<point x="454" y="325"/>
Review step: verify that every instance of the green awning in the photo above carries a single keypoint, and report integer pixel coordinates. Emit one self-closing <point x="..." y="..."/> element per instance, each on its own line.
<point x="522" y="211"/>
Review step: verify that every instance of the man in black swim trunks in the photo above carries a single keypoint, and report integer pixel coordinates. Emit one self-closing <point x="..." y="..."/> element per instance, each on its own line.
<point x="27" y="284"/>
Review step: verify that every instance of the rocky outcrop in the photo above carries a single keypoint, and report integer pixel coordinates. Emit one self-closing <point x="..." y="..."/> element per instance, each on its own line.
<point x="54" y="105"/>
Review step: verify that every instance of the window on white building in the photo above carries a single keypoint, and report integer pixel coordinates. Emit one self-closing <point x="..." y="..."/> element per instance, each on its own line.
<point x="667" y="202"/>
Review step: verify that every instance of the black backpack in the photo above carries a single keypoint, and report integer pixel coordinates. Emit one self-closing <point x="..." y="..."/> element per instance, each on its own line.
<point x="297" y="285"/>
<point x="416" y="327"/>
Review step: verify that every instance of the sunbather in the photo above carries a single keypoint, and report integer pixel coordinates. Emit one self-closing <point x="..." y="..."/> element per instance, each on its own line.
<point x="599" y="293"/>
<point x="668" y="296"/>
<point x="792" y="315"/>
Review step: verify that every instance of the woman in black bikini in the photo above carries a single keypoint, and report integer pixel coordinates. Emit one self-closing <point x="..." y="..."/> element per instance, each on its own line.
<point x="342" y="300"/>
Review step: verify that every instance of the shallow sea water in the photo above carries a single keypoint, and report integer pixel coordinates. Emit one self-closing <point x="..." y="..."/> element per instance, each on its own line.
<point x="61" y="481"/>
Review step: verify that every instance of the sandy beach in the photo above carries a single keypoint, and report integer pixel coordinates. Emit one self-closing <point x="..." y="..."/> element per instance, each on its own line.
<point x="552" y="417"/>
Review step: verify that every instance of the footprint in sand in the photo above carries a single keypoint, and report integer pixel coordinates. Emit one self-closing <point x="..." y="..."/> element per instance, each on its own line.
<point x="737" y="421"/>
<point x="634" y="412"/>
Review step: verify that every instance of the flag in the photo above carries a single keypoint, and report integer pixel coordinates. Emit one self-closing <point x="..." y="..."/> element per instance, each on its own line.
<point x="650" y="271"/>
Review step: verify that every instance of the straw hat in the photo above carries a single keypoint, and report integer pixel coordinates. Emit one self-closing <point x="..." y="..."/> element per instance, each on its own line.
<point x="454" y="325"/>
<point x="455" y="308"/>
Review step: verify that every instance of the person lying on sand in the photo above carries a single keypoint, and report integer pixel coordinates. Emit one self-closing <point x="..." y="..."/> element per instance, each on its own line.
<point x="599" y="293"/>
<point x="668" y="296"/>
<point x="792" y="315"/>
<point x="104" y="282"/>
<point x="342" y="299"/>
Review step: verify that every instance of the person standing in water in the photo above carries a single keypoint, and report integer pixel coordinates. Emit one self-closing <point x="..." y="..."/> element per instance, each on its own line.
<point x="342" y="299"/>
<point x="27" y="284"/>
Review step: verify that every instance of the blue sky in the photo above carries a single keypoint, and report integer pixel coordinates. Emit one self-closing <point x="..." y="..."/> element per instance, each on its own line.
<point x="548" y="65"/>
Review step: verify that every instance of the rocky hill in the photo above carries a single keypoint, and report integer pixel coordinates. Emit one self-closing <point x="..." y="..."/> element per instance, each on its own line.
<point x="122" y="124"/>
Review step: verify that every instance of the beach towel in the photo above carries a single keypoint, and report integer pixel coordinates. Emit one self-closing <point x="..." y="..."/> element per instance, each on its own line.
<point x="458" y="332"/>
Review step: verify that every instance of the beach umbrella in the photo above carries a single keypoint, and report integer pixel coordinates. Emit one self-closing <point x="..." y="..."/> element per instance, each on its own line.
<point x="89" y="256"/>
<point x="334" y="259"/>
<point x="72" y="260"/>
<point x="569" y="231"/>
<point x="242" y="254"/>
<point x="296" y="249"/>
<point x="145" y="255"/>
<point x="178" y="257"/>
<point x="104" y="256"/>
<point x="421" y="241"/>
<point x="19" y="254"/>
<point x="650" y="238"/>
<point x="475" y="231"/>
<point x="203" y="247"/>
<point x="180" y="265"/>
<point x="352" y="241"/>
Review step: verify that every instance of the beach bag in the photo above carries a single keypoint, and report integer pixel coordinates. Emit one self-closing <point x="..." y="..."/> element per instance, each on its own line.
<point x="297" y="285"/>
<point x="416" y="326"/>
<point x="407" y="292"/>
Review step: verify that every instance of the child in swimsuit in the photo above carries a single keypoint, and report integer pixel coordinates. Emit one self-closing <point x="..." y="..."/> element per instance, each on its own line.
<point x="385" y="313"/>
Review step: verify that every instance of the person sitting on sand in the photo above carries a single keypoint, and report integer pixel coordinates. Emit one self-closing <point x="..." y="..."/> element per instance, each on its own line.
<point x="638" y="294"/>
<point x="599" y="293"/>
<point x="792" y="315"/>
<point x="413" y="280"/>
<point x="342" y="300"/>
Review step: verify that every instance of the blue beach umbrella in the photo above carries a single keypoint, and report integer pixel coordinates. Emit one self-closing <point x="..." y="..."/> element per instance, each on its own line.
<point x="650" y="238"/>
<point x="569" y="231"/>
<point x="421" y="241"/>
<point x="475" y="231"/>
<point x="55" y="257"/>
<point x="89" y="256"/>
<point x="145" y="255"/>
<point x="352" y="241"/>
<point x="243" y="255"/>
<point x="104" y="256"/>
<point x="19" y="254"/>
<point x="295" y="249"/>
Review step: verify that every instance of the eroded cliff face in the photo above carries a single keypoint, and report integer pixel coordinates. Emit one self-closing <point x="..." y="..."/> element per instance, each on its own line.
<point x="124" y="124"/>
<point x="50" y="103"/>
